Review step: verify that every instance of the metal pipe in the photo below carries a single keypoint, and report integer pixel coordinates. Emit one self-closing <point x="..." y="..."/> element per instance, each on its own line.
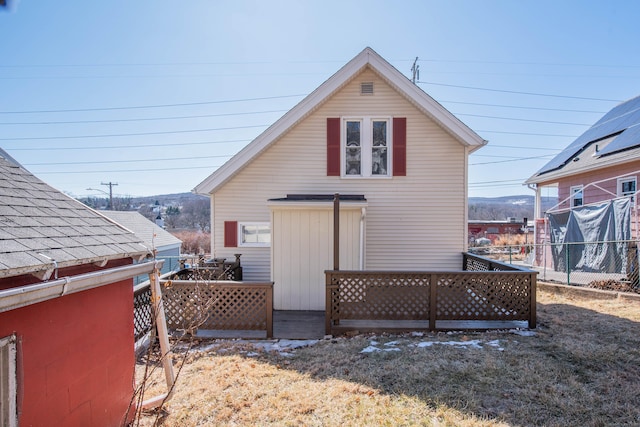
<point x="22" y="296"/>
<point x="363" y="215"/>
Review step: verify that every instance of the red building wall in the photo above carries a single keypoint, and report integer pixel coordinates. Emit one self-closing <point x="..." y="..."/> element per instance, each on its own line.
<point x="75" y="357"/>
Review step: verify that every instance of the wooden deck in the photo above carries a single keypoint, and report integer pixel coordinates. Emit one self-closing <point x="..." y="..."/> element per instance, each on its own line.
<point x="286" y="325"/>
<point x="310" y="325"/>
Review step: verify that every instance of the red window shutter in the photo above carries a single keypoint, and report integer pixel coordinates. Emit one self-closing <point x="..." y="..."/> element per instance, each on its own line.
<point x="230" y="234"/>
<point x="333" y="147"/>
<point x="399" y="146"/>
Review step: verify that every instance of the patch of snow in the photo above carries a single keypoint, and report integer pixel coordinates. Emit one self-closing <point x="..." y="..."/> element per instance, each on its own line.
<point x="523" y="333"/>
<point x="392" y="343"/>
<point x="373" y="349"/>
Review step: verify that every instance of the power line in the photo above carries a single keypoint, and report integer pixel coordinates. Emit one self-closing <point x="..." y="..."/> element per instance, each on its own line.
<point x="73" y="110"/>
<point x="521" y="93"/>
<point x="212" y="167"/>
<point x="512" y="160"/>
<point x="523" y="148"/>
<point x="131" y="134"/>
<point x="127" y="161"/>
<point x="525" y="133"/>
<point x="141" y="119"/>
<point x="522" y="120"/>
<point x="109" y="147"/>
<point x="522" y="107"/>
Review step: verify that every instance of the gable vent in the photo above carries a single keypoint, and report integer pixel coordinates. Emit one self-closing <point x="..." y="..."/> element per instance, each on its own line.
<point x="366" y="88"/>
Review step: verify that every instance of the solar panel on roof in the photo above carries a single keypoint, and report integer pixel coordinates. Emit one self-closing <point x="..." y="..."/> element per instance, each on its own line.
<point x="621" y="117"/>
<point x="628" y="139"/>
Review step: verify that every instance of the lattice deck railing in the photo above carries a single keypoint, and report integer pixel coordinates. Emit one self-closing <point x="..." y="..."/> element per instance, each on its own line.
<point x="487" y="291"/>
<point x="141" y="310"/>
<point x="192" y="305"/>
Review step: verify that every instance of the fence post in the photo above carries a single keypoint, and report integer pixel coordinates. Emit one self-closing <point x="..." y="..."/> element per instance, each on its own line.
<point x="328" y="304"/>
<point x="269" y="309"/>
<point x="566" y="263"/>
<point x="433" y="301"/>
<point x="533" y="285"/>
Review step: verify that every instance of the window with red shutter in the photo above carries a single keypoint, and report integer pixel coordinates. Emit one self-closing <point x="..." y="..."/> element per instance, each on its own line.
<point x="333" y="147"/>
<point x="399" y="146"/>
<point x="359" y="147"/>
<point x="230" y="234"/>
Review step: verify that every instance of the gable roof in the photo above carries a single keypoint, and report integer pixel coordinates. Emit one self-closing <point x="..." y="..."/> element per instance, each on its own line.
<point x="149" y="232"/>
<point x="42" y="229"/>
<point x="613" y="139"/>
<point x="367" y="58"/>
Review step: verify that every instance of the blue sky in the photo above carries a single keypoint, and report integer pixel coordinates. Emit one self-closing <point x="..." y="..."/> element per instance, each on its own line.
<point x="155" y="96"/>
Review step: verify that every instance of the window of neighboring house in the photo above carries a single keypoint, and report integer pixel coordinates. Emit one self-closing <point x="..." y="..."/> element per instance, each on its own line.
<point x="8" y="394"/>
<point x="627" y="187"/>
<point x="256" y="234"/>
<point x="576" y="196"/>
<point x="366" y="144"/>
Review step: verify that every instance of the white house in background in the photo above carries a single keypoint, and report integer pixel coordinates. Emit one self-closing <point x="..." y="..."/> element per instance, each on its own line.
<point x="397" y="157"/>
<point x="165" y="244"/>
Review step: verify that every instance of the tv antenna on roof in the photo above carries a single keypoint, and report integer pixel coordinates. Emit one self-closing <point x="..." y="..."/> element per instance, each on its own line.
<point x="415" y="70"/>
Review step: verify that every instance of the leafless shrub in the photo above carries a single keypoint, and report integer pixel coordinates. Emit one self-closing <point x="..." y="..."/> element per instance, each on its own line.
<point x="194" y="242"/>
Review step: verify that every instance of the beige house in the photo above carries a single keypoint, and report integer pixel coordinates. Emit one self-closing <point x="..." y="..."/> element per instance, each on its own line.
<point x="396" y="156"/>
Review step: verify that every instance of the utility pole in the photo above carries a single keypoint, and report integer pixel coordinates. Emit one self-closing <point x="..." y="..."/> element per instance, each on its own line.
<point x="110" y="184"/>
<point x="415" y="70"/>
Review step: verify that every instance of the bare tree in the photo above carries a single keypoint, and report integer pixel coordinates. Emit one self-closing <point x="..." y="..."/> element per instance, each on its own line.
<point x="196" y="215"/>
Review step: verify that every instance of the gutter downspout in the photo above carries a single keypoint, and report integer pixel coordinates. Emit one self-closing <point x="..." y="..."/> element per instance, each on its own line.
<point x="23" y="296"/>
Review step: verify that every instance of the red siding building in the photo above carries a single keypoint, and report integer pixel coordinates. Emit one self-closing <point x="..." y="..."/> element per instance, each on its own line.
<point x="66" y="308"/>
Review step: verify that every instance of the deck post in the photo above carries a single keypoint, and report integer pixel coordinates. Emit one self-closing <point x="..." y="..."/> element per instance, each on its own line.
<point x="269" y="309"/>
<point x="328" y="304"/>
<point x="433" y="301"/>
<point x="533" y="285"/>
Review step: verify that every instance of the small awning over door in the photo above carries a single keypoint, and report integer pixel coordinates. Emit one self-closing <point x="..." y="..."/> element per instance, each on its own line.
<point x="302" y="246"/>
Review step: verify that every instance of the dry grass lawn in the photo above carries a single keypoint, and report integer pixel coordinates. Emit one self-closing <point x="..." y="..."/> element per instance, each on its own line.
<point x="581" y="368"/>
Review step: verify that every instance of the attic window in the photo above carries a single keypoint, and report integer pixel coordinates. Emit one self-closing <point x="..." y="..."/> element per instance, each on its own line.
<point x="366" y="88"/>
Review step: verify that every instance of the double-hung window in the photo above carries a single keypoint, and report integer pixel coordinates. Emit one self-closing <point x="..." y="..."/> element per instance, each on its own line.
<point x="627" y="187"/>
<point x="366" y="144"/>
<point x="576" y="196"/>
<point x="254" y="234"/>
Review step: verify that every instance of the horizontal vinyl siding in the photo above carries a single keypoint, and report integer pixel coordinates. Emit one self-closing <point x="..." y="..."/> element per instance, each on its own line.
<point x="593" y="194"/>
<point x="413" y="222"/>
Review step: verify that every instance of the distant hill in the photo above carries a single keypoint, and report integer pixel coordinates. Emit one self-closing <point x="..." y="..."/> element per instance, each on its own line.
<point x="501" y="208"/>
<point x="177" y="199"/>
<point x="480" y="208"/>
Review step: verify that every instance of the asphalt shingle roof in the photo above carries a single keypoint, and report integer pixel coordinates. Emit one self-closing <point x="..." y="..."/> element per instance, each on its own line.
<point x="152" y="235"/>
<point x="40" y="225"/>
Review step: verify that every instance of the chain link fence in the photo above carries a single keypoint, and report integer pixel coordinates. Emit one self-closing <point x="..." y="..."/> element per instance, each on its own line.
<point x="609" y="265"/>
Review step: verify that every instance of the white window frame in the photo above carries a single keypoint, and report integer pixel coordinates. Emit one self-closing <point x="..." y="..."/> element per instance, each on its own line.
<point x="622" y="181"/>
<point x="242" y="243"/>
<point x="366" y="146"/>
<point x="8" y="382"/>
<point x="573" y="191"/>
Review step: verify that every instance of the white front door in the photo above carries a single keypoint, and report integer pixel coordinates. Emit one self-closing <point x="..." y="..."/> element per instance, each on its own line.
<point x="302" y="249"/>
